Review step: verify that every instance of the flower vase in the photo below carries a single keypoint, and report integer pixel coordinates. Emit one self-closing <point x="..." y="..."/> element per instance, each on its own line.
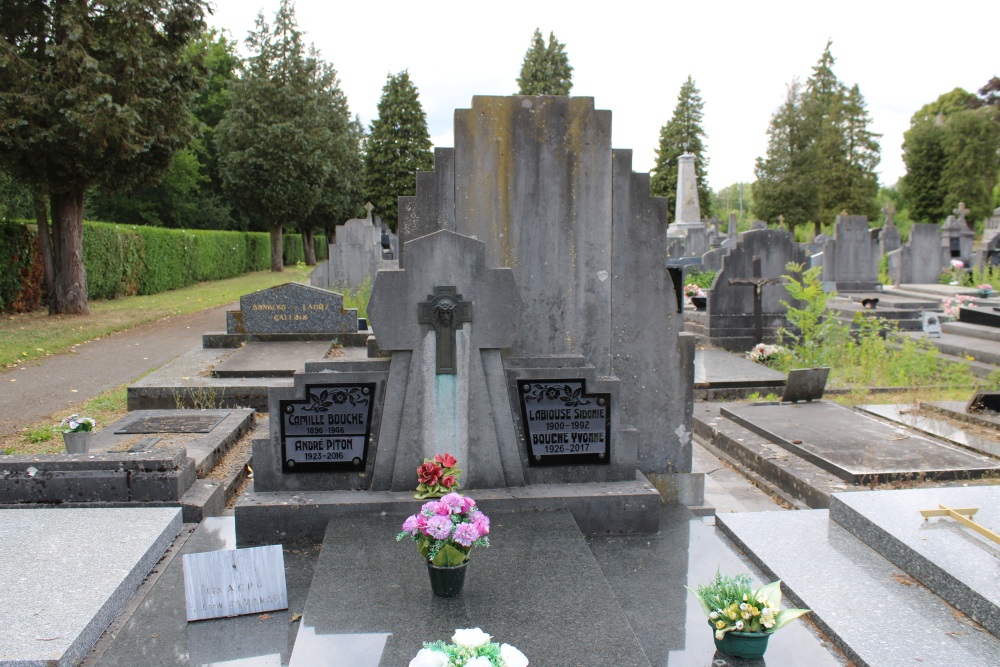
<point x="78" y="442"/>
<point x="984" y="293"/>
<point x="746" y="645"/>
<point x="699" y="302"/>
<point x="447" y="582"/>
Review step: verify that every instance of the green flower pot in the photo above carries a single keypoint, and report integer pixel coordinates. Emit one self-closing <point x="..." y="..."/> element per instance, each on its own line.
<point x="447" y="582"/>
<point x="746" y="645"/>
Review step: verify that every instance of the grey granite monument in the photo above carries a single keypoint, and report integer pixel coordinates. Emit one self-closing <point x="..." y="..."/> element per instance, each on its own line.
<point x="850" y="260"/>
<point x="687" y="216"/>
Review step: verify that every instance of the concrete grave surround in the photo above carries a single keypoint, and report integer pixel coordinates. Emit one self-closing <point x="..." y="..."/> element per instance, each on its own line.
<point x="64" y="581"/>
<point x="851" y="259"/>
<point x="292" y="308"/>
<point x="466" y="414"/>
<point x="536" y="180"/>
<point x="731" y="307"/>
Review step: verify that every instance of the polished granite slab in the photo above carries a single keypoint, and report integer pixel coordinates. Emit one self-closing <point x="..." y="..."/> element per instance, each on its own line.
<point x="66" y="573"/>
<point x="853" y="446"/>
<point x="720" y="369"/>
<point x="934" y="422"/>
<point x="539" y="587"/>
<point x="874" y="611"/>
<point x="951" y="559"/>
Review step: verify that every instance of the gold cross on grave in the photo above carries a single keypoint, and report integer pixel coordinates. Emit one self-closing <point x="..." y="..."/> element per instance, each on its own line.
<point x="962" y="514"/>
<point x="445" y="312"/>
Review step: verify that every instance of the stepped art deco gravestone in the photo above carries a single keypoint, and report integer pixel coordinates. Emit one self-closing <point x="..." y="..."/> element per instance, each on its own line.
<point x="532" y="330"/>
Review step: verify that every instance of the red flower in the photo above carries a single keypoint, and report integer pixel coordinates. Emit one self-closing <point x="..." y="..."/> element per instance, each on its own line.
<point x="429" y="473"/>
<point x="446" y="460"/>
<point x="448" y="481"/>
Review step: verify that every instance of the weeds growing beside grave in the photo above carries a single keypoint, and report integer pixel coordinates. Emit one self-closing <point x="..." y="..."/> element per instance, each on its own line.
<point x="867" y="354"/>
<point x="41" y="438"/>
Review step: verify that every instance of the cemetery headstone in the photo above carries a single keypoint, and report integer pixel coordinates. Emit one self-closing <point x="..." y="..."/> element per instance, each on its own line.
<point x="292" y="308"/>
<point x="889" y="238"/>
<point x="750" y="279"/>
<point x="850" y="260"/>
<point x="805" y="384"/>
<point x="234" y="582"/>
<point x="536" y="180"/>
<point x="757" y="224"/>
<point x="991" y="228"/>
<point x="355" y="255"/>
<point x="931" y="324"/>
<point x="956" y="237"/>
<point x="919" y="261"/>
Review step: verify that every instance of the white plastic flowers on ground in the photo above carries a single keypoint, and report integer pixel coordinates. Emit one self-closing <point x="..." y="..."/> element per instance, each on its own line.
<point x="428" y="658"/>
<point x="512" y="657"/>
<point x="470" y="637"/>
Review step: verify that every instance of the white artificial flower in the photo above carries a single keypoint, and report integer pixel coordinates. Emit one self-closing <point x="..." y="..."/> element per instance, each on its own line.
<point x="479" y="661"/>
<point x="513" y="657"/>
<point x="470" y="637"/>
<point x="714" y="616"/>
<point x="739" y="625"/>
<point x="427" y="658"/>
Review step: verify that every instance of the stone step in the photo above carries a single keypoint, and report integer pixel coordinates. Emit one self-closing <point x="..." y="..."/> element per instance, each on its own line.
<point x="876" y="613"/>
<point x="370" y="601"/>
<point x="979" y="349"/>
<point x="972" y="330"/>
<point x="951" y="559"/>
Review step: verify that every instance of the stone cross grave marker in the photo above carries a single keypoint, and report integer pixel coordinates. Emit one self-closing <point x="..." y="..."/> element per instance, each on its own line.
<point x="758" y="283"/>
<point x="961" y="212"/>
<point x="889" y="210"/>
<point x="368" y="210"/>
<point x="445" y="311"/>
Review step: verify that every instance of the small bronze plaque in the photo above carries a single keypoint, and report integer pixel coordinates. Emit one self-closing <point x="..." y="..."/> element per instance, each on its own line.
<point x="173" y="424"/>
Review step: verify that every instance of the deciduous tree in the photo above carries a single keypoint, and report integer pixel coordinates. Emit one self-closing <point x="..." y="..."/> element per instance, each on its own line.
<point x="92" y="93"/>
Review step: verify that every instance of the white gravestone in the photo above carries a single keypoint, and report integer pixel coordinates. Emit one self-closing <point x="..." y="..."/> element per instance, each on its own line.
<point x="219" y="584"/>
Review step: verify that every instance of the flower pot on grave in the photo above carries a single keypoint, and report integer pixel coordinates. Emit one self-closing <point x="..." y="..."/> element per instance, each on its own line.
<point x="746" y="645"/>
<point x="447" y="582"/>
<point x="699" y="302"/>
<point x="984" y="293"/>
<point x="79" y="442"/>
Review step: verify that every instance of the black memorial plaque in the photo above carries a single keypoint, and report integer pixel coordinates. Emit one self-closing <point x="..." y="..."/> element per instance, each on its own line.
<point x="563" y="424"/>
<point x="328" y="430"/>
<point x="173" y="424"/>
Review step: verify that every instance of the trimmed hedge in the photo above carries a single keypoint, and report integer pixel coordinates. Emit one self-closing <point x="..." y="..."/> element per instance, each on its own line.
<point x="125" y="260"/>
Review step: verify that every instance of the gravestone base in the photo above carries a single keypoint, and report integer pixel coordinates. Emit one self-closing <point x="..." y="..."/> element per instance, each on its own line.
<point x="608" y="508"/>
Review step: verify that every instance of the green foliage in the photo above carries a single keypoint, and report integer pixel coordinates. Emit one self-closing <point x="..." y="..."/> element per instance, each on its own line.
<point x="702" y="279"/>
<point x="282" y="138"/>
<point x="951" y="156"/>
<point x="92" y="93"/>
<point x="397" y="147"/>
<point x="821" y="156"/>
<point x="682" y="134"/>
<point x="869" y="353"/>
<point x="736" y="198"/>
<point x="18" y="248"/>
<point x="545" y="69"/>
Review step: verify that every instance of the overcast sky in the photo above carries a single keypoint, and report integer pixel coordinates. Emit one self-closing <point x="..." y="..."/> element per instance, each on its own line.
<point x="632" y="58"/>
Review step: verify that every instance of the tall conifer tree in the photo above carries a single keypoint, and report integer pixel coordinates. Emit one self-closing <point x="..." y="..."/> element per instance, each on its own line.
<point x="397" y="147"/>
<point x="682" y="134"/>
<point x="546" y="69"/>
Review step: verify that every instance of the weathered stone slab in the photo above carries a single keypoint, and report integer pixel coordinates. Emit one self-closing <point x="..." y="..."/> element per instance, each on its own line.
<point x="52" y="618"/>
<point x="720" y="369"/>
<point x="854" y="447"/>
<point x="183" y="422"/>
<point x="271" y="360"/>
<point x="952" y="560"/>
<point x="941" y="420"/>
<point x="292" y="308"/>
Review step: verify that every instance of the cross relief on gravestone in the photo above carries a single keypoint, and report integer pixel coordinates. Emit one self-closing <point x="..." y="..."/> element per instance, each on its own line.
<point x="758" y="284"/>
<point x="445" y="311"/>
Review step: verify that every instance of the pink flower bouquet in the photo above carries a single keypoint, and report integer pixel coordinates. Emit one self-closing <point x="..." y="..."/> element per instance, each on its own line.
<point x="446" y="530"/>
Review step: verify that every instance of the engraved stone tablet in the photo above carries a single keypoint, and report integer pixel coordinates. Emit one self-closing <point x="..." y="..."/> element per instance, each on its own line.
<point x="219" y="584"/>
<point x="295" y="308"/>
<point x="563" y="423"/>
<point x="329" y="430"/>
<point x="174" y="424"/>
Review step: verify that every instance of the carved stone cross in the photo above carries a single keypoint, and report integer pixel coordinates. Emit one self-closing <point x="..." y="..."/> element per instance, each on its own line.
<point x="781" y="220"/>
<point x="369" y="208"/>
<point x="889" y="209"/>
<point x="961" y="212"/>
<point x="445" y="311"/>
<point x="758" y="291"/>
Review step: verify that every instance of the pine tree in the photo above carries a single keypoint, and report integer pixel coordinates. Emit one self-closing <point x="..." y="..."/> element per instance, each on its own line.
<point x="280" y="140"/>
<point x="546" y="69"/>
<point x="397" y="147"/>
<point x="682" y="134"/>
<point x="91" y="93"/>
<point x="821" y="156"/>
<point x="786" y="183"/>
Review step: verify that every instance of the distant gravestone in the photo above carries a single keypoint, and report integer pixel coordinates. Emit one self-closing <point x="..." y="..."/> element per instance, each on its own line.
<point x="919" y="260"/>
<point x="757" y="224"/>
<point x="888" y="237"/>
<point x="851" y="259"/>
<point x="747" y="293"/>
<point x="956" y="238"/>
<point x="355" y="255"/>
<point x="991" y="228"/>
<point x="292" y="308"/>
